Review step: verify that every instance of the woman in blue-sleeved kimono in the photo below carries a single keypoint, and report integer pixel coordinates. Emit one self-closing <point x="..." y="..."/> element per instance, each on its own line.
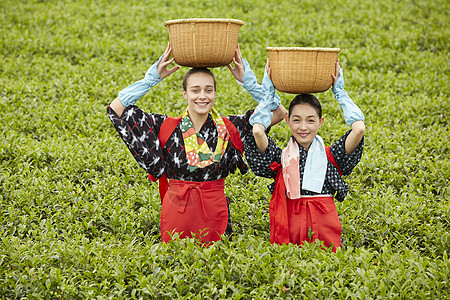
<point x="195" y="151"/>
<point x="308" y="175"/>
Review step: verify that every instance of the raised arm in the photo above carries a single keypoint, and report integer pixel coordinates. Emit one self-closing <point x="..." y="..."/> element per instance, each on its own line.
<point x="259" y="119"/>
<point x="245" y="76"/>
<point x="352" y="113"/>
<point x="261" y="140"/>
<point x="155" y="74"/>
<point x="278" y="115"/>
<point x="117" y="106"/>
<point x="259" y="131"/>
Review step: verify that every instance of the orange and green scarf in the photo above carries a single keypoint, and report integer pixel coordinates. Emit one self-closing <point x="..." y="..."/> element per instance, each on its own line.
<point x="197" y="150"/>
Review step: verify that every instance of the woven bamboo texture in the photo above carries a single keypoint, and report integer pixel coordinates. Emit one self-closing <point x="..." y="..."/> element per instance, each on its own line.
<point x="299" y="70"/>
<point x="203" y="42"/>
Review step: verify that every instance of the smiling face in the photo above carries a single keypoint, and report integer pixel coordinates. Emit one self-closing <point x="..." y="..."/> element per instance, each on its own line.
<point x="304" y="122"/>
<point x="199" y="93"/>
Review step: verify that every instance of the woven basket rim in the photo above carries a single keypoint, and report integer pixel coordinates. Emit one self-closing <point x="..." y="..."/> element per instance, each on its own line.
<point x="303" y="49"/>
<point x="203" y="20"/>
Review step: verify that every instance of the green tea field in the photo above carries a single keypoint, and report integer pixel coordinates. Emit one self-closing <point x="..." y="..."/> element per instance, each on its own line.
<point x="80" y="220"/>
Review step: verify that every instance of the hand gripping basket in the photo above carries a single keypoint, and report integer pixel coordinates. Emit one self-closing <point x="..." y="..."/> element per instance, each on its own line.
<point x="298" y="70"/>
<point x="203" y="42"/>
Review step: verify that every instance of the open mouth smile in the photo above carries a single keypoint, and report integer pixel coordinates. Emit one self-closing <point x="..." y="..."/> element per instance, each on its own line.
<point x="203" y="104"/>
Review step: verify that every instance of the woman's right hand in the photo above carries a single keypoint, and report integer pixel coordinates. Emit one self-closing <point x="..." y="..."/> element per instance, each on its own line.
<point x="165" y="61"/>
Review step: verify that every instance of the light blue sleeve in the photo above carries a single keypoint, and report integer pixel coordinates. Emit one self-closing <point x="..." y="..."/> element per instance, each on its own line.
<point x="351" y="111"/>
<point x="263" y="113"/>
<point x="256" y="90"/>
<point x="129" y="95"/>
<point x="251" y="84"/>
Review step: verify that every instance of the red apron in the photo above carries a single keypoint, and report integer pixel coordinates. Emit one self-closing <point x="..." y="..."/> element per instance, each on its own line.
<point x="315" y="213"/>
<point x="292" y="219"/>
<point x="194" y="208"/>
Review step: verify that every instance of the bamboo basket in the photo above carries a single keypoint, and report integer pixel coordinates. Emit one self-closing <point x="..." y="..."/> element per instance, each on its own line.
<point x="203" y="42"/>
<point x="299" y="70"/>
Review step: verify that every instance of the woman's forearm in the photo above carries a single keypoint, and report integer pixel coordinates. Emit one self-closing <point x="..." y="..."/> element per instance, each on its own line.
<point x="117" y="107"/>
<point x="259" y="132"/>
<point x="355" y="136"/>
<point x="278" y="115"/>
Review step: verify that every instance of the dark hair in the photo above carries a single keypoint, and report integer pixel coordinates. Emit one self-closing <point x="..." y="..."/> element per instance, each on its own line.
<point x="197" y="70"/>
<point x="308" y="99"/>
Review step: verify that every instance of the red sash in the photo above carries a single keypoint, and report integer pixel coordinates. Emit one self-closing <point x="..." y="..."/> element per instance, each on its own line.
<point x="291" y="219"/>
<point x="194" y="208"/>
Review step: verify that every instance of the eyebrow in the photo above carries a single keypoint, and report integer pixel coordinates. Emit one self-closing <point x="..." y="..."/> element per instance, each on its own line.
<point x="310" y="116"/>
<point x="197" y="86"/>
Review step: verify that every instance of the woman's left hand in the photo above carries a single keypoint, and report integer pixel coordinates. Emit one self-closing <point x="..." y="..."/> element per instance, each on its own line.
<point x="267" y="82"/>
<point x="335" y="76"/>
<point x="238" y="70"/>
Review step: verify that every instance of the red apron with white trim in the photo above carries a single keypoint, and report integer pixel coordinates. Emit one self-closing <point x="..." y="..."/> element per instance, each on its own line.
<point x="194" y="208"/>
<point x="292" y="219"/>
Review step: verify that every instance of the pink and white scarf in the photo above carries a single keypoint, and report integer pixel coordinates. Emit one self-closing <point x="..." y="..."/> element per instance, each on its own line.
<point x="315" y="167"/>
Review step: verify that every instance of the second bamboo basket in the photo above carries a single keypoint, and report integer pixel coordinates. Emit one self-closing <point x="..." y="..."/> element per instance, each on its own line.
<point x="299" y="70"/>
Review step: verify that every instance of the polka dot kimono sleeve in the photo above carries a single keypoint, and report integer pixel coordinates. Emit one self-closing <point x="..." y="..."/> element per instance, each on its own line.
<point x="139" y="130"/>
<point x="260" y="162"/>
<point x="346" y="162"/>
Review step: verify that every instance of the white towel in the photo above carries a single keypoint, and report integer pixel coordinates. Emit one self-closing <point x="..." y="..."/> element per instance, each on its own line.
<point x="315" y="167"/>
